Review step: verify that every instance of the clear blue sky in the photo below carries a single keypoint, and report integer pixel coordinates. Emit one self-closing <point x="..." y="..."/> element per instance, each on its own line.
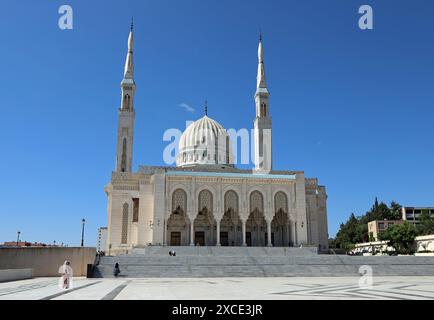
<point x="353" y="108"/>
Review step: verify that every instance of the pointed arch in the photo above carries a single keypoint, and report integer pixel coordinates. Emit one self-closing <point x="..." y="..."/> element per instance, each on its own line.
<point x="230" y="224"/>
<point x="256" y="201"/>
<point x="280" y="202"/>
<point x="280" y="222"/>
<point x="256" y="225"/>
<point x="127" y="100"/>
<point x="179" y="201"/>
<point x="177" y="224"/>
<point x="205" y="201"/>
<point x="231" y="201"/>
<point x="204" y="224"/>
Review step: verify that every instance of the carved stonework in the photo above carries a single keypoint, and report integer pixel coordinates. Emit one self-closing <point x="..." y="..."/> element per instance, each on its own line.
<point x="231" y="201"/>
<point x="179" y="201"/>
<point x="205" y="200"/>
<point x="124" y="234"/>
<point x="281" y="202"/>
<point x="256" y="202"/>
<point x="128" y="188"/>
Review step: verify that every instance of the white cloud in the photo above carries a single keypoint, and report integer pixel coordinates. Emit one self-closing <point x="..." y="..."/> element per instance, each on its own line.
<point x="186" y="107"/>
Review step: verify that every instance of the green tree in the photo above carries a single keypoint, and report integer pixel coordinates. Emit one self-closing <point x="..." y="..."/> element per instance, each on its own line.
<point x="400" y="236"/>
<point x="395" y="211"/>
<point x="426" y="224"/>
<point x="355" y="230"/>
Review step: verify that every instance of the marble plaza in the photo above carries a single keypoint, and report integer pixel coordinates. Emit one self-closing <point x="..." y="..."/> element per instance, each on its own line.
<point x="289" y="288"/>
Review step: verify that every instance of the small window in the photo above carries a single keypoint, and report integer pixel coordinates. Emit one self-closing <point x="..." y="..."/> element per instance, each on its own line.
<point x="417" y="211"/>
<point x="381" y="225"/>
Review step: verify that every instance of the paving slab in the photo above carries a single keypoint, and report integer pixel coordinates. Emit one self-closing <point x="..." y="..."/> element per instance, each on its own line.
<point x="234" y="288"/>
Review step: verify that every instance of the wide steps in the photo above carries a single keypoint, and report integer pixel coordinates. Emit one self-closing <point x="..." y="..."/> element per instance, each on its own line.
<point x="193" y="262"/>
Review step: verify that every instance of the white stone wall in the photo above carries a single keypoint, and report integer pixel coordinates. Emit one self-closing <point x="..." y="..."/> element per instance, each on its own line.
<point x="316" y="206"/>
<point x="146" y="212"/>
<point x="306" y="210"/>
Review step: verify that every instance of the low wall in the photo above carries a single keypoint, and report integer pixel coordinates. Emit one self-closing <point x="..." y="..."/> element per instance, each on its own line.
<point x="425" y="243"/>
<point x="15" y="274"/>
<point x="46" y="261"/>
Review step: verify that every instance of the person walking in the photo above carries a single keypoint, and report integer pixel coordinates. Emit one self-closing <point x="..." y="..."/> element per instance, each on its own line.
<point x="65" y="281"/>
<point x="116" y="270"/>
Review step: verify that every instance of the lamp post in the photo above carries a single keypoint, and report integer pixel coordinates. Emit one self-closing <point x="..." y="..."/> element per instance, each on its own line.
<point x="83" y="221"/>
<point x="18" y="237"/>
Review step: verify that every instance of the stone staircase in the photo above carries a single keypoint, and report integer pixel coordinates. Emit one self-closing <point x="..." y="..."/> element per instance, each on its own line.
<point x="255" y="262"/>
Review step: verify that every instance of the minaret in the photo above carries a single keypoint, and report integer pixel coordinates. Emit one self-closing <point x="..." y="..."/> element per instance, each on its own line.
<point x="124" y="154"/>
<point x="262" y="122"/>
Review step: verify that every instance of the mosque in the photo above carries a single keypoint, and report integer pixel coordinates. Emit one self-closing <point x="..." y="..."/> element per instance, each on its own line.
<point x="205" y="200"/>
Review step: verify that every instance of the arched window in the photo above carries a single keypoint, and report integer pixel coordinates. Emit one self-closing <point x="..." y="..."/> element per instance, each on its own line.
<point x="179" y="201"/>
<point x="263" y="109"/>
<point x="231" y="201"/>
<point x="205" y="201"/>
<point x="256" y="202"/>
<point x="124" y="156"/>
<point x="124" y="235"/>
<point x="280" y="202"/>
<point x="127" y="102"/>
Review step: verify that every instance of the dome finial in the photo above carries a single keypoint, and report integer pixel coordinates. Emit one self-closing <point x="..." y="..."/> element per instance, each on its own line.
<point x="132" y="23"/>
<point x="206" y="107"/>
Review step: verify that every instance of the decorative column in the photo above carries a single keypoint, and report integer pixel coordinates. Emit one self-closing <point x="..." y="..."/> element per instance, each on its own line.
<point x="288" y="232"/>
<point x="218" y="232"/>
<point x="269" y="244"/>
<point x="192" y="233"/>
<point x="243" y="230"/>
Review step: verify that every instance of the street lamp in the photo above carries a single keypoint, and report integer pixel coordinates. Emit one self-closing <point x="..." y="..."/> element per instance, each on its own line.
<point x="18" y="237"/>
<point x="83" y="221"/>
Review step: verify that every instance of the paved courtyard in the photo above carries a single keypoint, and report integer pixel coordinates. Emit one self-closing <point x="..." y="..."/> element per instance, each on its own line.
<point x="221" y="289"/>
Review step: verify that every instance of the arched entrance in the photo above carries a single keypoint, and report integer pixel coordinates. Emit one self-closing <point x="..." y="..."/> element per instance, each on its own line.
<point x="205" y="224"/>
<point x="178" y="222"/>
<point x="280" y="222"/>
<point x="230" y="225"/>
<point x="256" y="226"/>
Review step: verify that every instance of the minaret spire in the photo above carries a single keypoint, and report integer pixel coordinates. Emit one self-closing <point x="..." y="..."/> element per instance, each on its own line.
<point x="260" y="78"/>
<point x="262" y="122"/>
<point x="129" y="63"/>
<point x="126" y="112"/>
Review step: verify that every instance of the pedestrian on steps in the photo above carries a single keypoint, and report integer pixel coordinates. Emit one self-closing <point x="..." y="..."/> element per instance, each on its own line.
<point x="116" y="270"/>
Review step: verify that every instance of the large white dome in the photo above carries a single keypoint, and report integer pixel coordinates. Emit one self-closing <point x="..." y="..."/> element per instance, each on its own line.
<point x="204" y="142"/>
